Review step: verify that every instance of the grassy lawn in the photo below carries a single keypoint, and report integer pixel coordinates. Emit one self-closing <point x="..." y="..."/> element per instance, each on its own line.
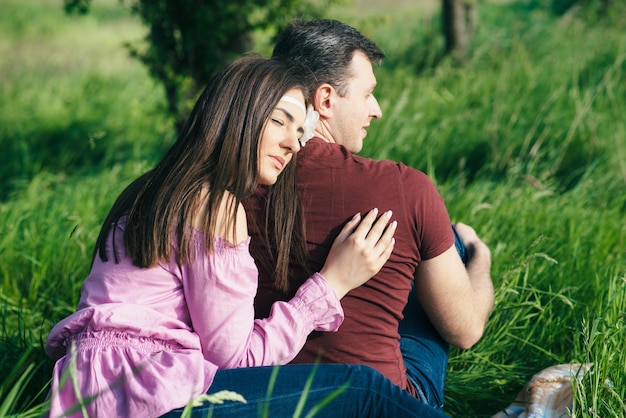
<point x="527" y="143"/>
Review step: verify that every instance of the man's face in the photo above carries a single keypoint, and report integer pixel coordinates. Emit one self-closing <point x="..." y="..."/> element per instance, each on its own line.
<point x="352" y="114"/>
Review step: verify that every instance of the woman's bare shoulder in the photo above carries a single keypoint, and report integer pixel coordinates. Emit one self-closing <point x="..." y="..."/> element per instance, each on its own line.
<point x="226" y="218"/>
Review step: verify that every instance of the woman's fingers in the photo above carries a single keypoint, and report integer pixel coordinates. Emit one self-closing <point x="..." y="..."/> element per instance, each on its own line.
<point x="358" y="227"/>
<point x="359" y="251"/>
<point x="378" y="229"/>
<point x="387" y="241"/>
<point x="375" y="239"/>
<point x="365" y="227"/>
<point x="383" y="244"/>
<point x="349" y="228"/>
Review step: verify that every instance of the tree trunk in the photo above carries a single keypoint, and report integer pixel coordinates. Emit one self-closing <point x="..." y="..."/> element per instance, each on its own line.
<point x="459" y="23"/>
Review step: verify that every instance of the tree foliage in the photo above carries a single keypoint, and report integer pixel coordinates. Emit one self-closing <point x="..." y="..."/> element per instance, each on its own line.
<point x="189" y="40"/>
<point x="597" y="11"/>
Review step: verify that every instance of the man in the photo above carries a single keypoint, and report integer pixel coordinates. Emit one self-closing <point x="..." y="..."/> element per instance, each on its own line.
<point x="450" y="303"/>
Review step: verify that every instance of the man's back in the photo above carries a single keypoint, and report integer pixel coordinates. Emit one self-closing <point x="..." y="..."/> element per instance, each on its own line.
<point x="333" y="185"/>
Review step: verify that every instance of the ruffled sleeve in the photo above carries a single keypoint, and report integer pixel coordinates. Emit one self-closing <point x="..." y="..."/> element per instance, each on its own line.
<point x="220" y="291"/>
<point x="319" y="303"/>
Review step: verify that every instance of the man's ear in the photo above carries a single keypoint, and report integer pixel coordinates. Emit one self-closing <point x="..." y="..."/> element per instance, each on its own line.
<point x="322" y="100"/>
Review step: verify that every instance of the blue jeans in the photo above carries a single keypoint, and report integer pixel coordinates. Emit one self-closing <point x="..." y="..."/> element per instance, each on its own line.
<point x="424" y="352"/>
<point x="369" y="393"/>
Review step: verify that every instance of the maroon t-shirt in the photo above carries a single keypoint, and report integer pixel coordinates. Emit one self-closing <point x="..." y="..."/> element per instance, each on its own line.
<point x="334" y="184"/>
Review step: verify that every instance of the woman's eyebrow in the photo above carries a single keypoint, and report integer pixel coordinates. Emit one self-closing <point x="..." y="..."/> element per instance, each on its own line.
<point x="287" y="113"/>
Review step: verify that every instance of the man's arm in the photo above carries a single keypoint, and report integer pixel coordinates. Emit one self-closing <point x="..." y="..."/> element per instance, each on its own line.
<point x="458" y="300"/>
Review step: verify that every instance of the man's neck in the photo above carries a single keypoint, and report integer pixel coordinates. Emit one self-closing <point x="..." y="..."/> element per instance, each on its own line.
<point x="317" y="134"/>
<point x="322" y="131"/>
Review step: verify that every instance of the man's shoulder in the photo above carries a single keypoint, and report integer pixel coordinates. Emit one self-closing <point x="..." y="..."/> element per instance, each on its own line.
<point x="404" y="171"/>
<point x="320" y="156"/>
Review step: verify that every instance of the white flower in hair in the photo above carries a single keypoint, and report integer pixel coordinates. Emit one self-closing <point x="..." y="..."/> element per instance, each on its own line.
<point x="310" y="122"/>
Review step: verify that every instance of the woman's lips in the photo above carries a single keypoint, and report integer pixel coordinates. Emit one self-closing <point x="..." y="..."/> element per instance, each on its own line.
<point x="279" y="162"/>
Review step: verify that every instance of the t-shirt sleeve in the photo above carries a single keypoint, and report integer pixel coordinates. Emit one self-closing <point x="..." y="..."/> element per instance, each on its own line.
<point x="220" y="290"/>
<point x="427" y="213"/>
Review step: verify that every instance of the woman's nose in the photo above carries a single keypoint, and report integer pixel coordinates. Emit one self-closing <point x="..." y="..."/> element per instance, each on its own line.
<point x="291" y="142"/>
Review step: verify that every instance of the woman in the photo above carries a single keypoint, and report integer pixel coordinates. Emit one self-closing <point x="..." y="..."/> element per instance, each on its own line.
<point x="166" y="313"/>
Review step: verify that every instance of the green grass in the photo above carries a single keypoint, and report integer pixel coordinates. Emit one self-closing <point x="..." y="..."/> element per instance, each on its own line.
<point x="73" y="100"/>
<point x="527" y="144"/>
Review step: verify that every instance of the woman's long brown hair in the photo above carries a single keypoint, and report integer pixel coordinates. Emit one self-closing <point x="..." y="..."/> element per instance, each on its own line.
<point x="217" y="150"/>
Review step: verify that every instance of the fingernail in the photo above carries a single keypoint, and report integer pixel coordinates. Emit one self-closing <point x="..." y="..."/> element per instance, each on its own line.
<point x="375" y="210"/>
<point x="388" y="214"/>
<point x="394" y="224"/>
<point x="357" y="216"/>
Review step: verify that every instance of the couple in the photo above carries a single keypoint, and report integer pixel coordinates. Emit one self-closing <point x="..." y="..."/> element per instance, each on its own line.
<point x="167" y="312"/>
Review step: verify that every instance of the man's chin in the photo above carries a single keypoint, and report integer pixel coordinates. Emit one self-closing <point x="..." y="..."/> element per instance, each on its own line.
<point x="356" y="149"/>
<point x="358" y="146"/>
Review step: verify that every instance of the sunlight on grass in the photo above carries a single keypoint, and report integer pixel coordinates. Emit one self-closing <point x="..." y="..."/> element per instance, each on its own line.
<point x="527" y="144"/>
<point x="603" y="392"/>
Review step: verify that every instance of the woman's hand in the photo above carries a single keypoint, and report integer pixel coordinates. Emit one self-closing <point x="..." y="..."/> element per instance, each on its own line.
<point x="359" y="251"/>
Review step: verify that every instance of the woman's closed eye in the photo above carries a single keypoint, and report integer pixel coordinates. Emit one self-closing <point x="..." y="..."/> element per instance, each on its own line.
<point x="278" y="122"/>
<point x="281" y="123"/>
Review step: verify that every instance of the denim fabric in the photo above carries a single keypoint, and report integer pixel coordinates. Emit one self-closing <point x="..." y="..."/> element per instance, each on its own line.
<point x="424" y="352"/>
<point x="460" y="246"/>
<point x="369" y="393"/>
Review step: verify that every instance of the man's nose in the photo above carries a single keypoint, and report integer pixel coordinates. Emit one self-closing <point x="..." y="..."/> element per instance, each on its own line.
<point x="375" y="110"/>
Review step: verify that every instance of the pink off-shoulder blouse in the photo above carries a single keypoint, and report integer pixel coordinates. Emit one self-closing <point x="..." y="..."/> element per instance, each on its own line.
<point x="144" y="341"/>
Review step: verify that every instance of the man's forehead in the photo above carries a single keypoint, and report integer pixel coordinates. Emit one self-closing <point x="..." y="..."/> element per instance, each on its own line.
<point x="362" y="71"/>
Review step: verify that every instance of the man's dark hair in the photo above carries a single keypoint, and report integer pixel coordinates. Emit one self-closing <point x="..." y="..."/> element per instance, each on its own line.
<point x="323" y="50"/>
